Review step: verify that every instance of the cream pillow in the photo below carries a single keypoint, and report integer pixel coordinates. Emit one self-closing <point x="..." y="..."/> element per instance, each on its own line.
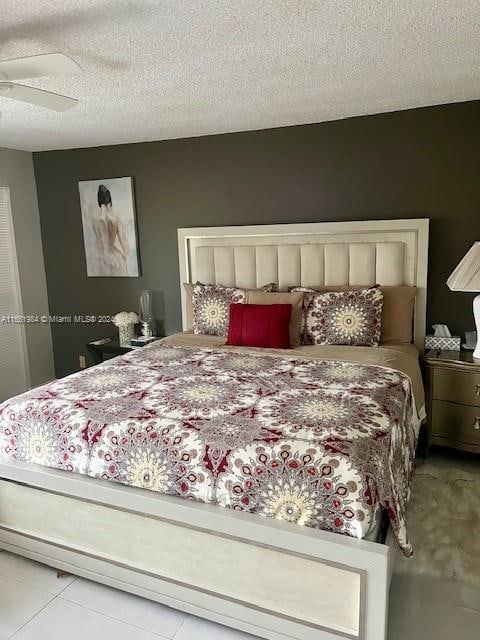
<point x="293" y="298"/>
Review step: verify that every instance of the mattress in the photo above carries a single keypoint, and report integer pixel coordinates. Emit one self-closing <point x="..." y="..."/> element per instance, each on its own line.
<point x="319" y="439"/>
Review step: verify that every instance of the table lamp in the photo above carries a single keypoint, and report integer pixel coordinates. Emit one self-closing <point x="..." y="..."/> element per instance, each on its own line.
<point x="466" y="277"/>
<point x="146" y="312"/>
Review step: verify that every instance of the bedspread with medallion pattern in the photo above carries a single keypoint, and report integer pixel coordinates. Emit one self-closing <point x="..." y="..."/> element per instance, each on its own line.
<point x="319" y="443"/>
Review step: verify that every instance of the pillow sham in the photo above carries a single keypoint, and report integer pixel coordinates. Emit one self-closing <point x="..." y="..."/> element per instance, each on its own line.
<point x="295" y="299"/>
<point x="397" y="312"/>
<point x="259" y="325"/>
<point x="210" y="304"/>
<point x="344" y="317"/>
<point x="188" y="287"/>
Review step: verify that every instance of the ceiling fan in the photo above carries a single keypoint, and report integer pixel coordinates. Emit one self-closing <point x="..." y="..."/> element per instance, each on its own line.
<point x="47" y="64"/>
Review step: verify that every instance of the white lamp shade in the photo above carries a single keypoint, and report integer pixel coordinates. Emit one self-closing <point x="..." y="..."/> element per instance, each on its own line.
<point x="466" y="276"/>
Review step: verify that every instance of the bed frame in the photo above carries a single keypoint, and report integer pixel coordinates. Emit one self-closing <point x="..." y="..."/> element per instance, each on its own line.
<point x="269" y="578"/>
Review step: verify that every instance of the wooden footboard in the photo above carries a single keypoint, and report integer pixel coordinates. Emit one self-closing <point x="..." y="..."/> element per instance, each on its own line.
<point x="262" y="576"/>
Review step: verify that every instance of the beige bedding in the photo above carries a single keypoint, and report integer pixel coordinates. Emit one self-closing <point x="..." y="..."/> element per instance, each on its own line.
<point x="403" y="357"/>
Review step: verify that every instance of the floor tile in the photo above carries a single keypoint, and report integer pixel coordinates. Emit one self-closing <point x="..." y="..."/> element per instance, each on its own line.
<point x="139" y="612"/>
<point x="62" y="619"/>
<point x="32" y="573"/>
<point x="197" y="629"/>
<point x="18" y="604"/>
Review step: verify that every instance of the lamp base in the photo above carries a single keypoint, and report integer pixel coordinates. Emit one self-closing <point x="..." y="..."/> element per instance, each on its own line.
<point x="147" y="329"/>
<point x="476" y="315"/>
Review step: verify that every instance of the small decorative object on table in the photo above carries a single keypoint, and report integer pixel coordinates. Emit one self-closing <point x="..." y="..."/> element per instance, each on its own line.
<point x="141" y="341"/>
<point x="146" y="313"/>
<point x="442" y="339"/>
<point x="125" y="321"/>
<point x="466" y="277"/>
<point x="470" y="340"/>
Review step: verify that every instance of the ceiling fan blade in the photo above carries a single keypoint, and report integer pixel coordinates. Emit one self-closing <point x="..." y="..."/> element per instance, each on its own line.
<point x="38" y="97"/>
<point x="47" y="64"/>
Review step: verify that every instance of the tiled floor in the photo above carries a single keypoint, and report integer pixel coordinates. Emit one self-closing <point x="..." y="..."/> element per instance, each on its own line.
<point x="36" y="605"/>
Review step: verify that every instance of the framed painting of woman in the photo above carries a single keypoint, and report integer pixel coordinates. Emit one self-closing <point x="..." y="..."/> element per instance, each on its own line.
<point x="109" y="227"/>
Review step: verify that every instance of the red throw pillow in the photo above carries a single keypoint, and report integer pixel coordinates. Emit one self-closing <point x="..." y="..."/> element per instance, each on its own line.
<point x="259" y="325"/>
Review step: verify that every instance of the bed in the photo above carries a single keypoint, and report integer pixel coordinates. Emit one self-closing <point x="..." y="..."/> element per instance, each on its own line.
<point x="265" y="575"/>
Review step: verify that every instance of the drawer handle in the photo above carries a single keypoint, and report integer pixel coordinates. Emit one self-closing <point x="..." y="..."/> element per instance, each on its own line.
<point x="476" y="424"/>
<point x="477" y="392"/>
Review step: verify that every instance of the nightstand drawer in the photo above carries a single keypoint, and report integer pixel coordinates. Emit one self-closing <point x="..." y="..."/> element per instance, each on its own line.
<point x="456" y="386"/>
<point x="456" y="422"/>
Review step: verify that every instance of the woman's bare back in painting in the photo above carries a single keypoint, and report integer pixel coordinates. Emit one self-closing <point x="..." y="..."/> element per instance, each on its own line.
<point x="110" y="238"/>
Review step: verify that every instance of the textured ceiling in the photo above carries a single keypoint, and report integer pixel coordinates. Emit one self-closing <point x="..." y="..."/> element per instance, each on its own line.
<point x="156" y="69"/>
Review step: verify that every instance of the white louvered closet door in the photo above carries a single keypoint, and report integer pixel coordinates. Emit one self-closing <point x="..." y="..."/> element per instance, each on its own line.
<point x="13" y="374"/>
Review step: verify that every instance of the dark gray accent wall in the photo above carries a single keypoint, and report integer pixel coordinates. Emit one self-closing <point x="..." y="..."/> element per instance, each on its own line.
<point x="417" y="163"/>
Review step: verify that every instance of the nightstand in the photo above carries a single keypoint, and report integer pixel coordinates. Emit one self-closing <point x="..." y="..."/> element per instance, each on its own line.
<point x="453" y="399"/>
<point x="105" y="348"/>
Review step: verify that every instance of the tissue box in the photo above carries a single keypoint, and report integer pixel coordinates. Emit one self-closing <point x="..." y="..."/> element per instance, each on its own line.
<point x="451" y="343"/>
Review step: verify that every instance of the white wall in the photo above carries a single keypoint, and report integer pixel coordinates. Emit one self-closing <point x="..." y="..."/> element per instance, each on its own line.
<point x="16" y="172"/>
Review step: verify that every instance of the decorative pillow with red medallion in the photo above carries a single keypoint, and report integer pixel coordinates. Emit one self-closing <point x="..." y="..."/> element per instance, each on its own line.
<point x="210" y="308"/>
<point x="344" y="317"/>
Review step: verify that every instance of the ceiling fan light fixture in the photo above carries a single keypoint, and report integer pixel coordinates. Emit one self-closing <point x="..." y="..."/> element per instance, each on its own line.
<point x="46" y="64"/>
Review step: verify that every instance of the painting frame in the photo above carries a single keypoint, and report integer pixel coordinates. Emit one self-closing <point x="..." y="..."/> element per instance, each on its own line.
<point x="110" y="227"/>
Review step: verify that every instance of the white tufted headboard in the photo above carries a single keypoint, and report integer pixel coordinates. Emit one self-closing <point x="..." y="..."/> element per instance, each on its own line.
<point x="386" y="252"/>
